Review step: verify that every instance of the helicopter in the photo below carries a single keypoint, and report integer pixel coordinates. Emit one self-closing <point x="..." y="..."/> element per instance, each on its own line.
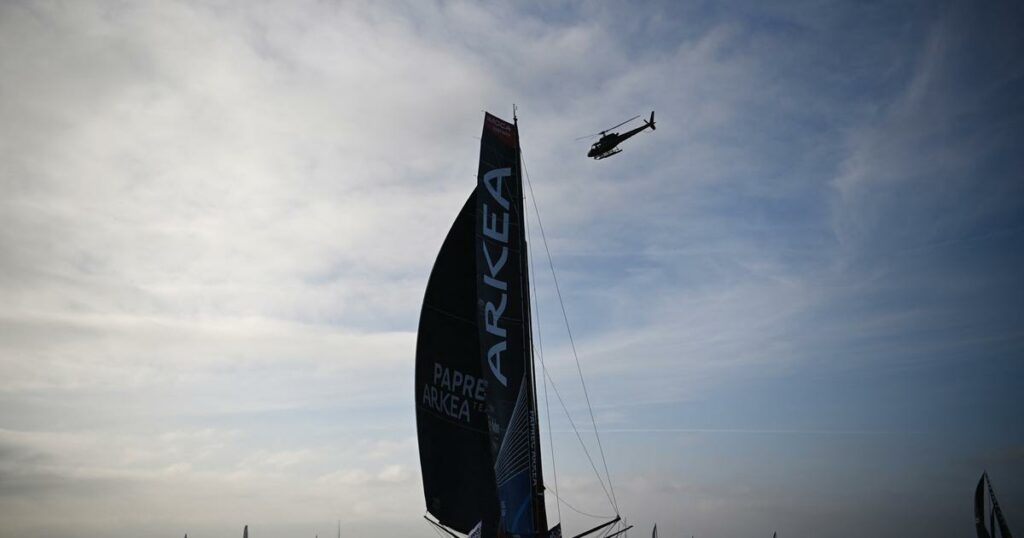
<point x="606" y="146"/>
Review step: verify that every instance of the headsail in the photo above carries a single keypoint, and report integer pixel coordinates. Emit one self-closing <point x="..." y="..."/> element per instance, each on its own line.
<point x="503" y="323"/>
<point x="997" y="513"/>
<point x="458" y="478"/>
<point x="995" y="516"/>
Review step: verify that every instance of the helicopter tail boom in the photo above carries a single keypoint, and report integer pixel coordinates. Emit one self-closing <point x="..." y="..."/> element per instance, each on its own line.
<point x="651" y="122"/>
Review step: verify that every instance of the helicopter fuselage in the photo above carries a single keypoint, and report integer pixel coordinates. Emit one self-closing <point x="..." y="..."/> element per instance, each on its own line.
<point x="606" y="146"/>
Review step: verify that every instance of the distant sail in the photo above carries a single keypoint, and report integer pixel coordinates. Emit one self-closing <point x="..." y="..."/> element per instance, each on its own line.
<point x="979" y="509"/>
<point x="503" y="323"/>
<point x="997" y="512"/>
<point x="995" y="516"/>
<point x="458" y="478"/>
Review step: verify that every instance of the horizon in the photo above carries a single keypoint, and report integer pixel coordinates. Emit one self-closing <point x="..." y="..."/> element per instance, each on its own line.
<point x="797" y="304"/>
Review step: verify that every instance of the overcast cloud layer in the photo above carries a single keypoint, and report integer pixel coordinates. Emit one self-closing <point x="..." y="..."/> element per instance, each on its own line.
<point x="798" y="303"/>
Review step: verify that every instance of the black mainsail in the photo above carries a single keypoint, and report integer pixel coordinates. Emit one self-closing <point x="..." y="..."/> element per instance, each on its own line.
<point x="458" y="478"/>
<point x="476" y="405"/>
<point x="979" y="509"/>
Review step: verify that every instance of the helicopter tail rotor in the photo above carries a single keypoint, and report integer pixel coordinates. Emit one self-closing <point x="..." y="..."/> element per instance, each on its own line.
<point x="651" y="122"/>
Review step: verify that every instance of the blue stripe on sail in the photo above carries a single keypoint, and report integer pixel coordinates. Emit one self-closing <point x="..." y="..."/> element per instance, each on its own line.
<point x="517" y="506"/>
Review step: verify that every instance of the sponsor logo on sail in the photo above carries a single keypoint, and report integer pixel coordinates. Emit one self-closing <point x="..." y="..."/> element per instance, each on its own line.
<point x="495" y="226"/>
<point x="453" y="393"/>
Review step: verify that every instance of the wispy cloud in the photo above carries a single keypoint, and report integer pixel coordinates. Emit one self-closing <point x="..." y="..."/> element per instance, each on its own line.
<point x="218" y="221"/>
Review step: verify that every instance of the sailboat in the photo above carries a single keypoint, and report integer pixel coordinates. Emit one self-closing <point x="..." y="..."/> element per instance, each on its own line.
<point x="476" y="403"/>
<point x="995" y="514"/>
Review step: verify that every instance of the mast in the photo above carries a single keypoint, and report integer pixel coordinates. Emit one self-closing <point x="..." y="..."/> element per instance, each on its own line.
<point x="537" y="469"/>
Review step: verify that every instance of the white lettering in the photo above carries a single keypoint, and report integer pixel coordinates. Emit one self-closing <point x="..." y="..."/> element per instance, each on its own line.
<point x="494" y="360"/>
<point x="493" y="182"/>
<point x="492" y="315"/>
<point x="497" y="230"/>
<point x="494" y="268"/>
<point x="481" y="390"/>
<point x="491" y="229"/>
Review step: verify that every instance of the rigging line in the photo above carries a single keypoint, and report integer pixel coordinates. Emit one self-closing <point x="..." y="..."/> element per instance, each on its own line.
<point x="620" y="527"/>
<point x="576" y="430"/>
<point x="435" y="529"/>
<point x="539" y="350"/>
<point x="577" y="510"/>
<point x="608" y="530"/>
<point x="611" y="497"/>
<point x="572" y="344"/>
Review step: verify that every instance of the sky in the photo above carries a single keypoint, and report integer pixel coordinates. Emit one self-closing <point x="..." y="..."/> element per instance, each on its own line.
<point x="797" y="304"/>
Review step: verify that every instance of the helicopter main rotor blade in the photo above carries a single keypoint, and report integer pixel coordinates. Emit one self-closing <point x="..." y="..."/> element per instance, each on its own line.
<point x="621" y="124"/>
<point x="601" y="133"/>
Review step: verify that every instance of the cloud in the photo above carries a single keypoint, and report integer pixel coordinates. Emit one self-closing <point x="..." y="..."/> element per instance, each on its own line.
<point x="218" y="221"/>
<point x="933" y="166"/>
<point x="90" y="477"/>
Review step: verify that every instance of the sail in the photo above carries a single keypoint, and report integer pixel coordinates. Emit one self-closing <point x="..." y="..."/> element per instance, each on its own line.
<point x="503" y="325"/>
<point x="458" y="477"/>
<point x="997" y="513"/>
<point x="979" y="509"/>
